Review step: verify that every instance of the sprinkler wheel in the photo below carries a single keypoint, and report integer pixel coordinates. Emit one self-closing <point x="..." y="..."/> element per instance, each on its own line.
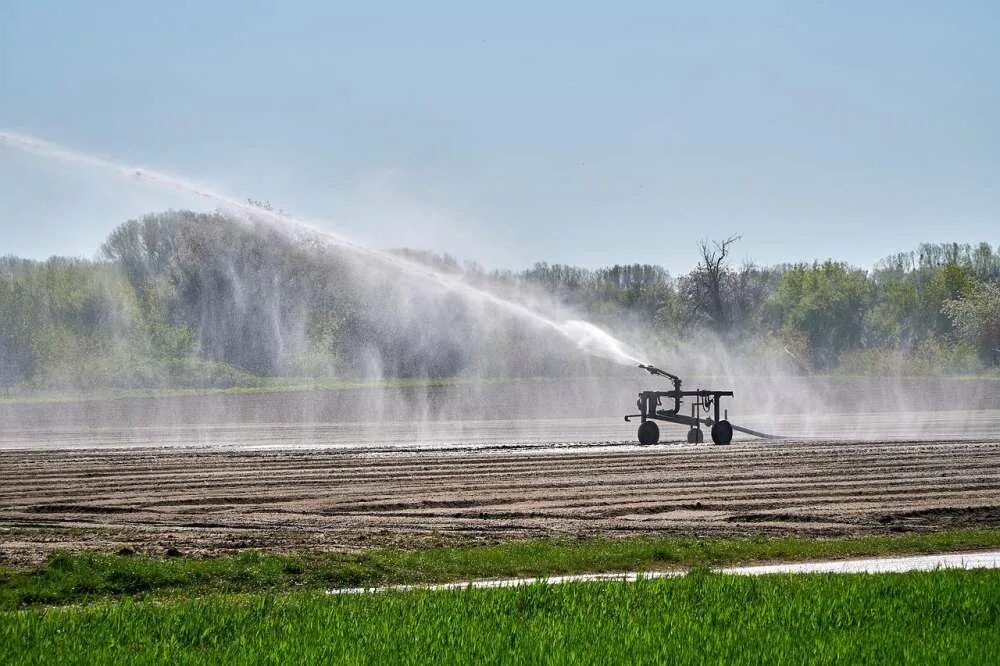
<point x="722" y="432"/>
<point x="649" y="433"/>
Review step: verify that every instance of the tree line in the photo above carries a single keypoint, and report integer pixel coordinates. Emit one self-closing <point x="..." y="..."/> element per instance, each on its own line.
<point x="189" y="299"/>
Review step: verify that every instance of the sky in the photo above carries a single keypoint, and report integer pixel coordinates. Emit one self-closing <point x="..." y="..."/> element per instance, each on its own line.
<point x="561" y="132"/>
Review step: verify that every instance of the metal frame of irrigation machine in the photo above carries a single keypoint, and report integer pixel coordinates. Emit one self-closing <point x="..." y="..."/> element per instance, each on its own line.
<point x="707" y="400"/>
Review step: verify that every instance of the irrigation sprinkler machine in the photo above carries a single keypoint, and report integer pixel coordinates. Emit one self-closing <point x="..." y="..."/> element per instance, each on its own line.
<point x="704" y="401"/>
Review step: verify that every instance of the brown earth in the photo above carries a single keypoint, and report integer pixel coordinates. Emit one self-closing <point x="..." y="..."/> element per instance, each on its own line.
<point x="199" y="500"/>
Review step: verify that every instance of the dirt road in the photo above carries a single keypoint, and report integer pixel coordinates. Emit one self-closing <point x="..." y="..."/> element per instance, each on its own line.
<point x="211" y="499"/>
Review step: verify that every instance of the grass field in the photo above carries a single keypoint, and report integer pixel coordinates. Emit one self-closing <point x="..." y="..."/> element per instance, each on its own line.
<point x="85" y="577"/>
<point x="30" y="395"/>
<point x="939" y="617"/>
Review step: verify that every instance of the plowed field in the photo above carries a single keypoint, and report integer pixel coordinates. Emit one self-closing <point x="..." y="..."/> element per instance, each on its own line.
<point x="213" y="499"/>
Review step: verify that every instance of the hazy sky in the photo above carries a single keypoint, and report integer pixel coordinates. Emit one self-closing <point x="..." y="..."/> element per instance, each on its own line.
<point x="577" y="134"/>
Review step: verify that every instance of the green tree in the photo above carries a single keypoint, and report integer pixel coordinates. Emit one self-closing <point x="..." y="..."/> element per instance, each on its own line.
<point x="824" y="304"/>
<point x="976" y="317"/>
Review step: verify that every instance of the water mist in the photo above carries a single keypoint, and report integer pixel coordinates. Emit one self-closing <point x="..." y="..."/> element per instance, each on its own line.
<point x="587" y="337"/>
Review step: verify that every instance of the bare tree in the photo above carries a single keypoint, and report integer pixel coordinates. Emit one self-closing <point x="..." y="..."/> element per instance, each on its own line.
<point x="705" y="288"/>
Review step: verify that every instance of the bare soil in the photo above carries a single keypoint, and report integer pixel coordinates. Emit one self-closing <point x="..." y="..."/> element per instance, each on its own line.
<point x="211" y="500"/>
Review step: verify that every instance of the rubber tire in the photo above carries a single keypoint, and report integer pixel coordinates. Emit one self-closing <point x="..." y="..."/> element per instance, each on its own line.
<point x="722" y="433"/>
<point x="695" y="436"/>
<point x="649" y="433"/>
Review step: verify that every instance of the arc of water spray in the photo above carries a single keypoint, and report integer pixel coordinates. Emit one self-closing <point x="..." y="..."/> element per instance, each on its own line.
<point x="585" y="336"/>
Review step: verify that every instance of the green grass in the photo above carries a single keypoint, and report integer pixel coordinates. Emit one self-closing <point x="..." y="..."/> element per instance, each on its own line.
<point x="86" y="577"/>
<point x="24" y="396"/>
<point x="939" y="617"/>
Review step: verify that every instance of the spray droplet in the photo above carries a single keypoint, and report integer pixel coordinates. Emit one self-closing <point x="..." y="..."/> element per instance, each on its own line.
<point x="587" y="337"/>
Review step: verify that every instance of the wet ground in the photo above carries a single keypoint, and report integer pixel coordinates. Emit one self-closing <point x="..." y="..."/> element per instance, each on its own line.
<point x="541" y="412"/>
<point x="868" y="565"/>
<point x="306" y="471"/>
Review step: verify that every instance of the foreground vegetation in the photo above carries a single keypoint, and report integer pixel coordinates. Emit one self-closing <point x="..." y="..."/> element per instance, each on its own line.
<point x="939" y="617"/>
<point x="86" y="577"/>
<point x="185" y="300"/>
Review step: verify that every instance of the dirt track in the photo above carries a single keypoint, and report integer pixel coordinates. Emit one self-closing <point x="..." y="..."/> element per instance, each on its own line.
<point x="210" y="500"/>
